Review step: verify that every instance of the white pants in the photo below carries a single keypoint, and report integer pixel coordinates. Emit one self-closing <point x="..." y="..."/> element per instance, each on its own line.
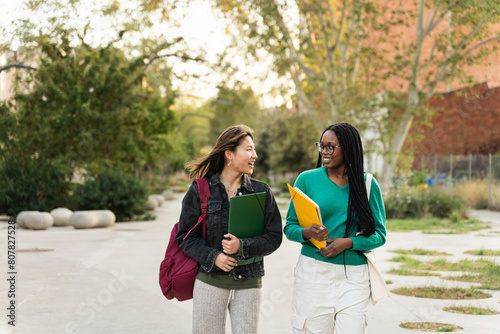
<point x="324" y="299"/>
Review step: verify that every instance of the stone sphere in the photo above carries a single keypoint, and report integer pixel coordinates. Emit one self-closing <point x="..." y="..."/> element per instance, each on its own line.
<point x="83" y="219"/>
<point x="61" y="216"/>
<point x="105" y="218"/>
<point x="38" y="220"/>
<point x="92" y="218"/>
<point x="168" y="195"/>
<point x="20" y="219"/>
<point x="151" y="204"/>
<point x="158" y="198"/>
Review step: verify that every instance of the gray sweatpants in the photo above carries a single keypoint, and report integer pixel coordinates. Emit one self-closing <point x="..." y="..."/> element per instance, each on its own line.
<point x="210" y="304"/>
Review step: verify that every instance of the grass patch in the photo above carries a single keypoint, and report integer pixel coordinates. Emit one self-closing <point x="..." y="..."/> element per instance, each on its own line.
<point x="430" y="326"/>
<point x="436" y="225"/>
<point x="470" y="310"/>
<point x="483" y="252"/>
<point x="410" y="267"/>
<point x="435" y="292"/>
<point x="484" y="272"/>
<point x="409" y="272"/>
<point x="419" y="251"/>
<point x="488" y="276"/>
<point x="489" y="234"/>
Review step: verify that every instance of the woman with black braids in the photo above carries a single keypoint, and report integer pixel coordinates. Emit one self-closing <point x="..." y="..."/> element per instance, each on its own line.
<point x="331" y="287"/>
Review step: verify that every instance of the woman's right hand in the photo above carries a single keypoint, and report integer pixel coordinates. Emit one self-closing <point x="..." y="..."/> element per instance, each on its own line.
<point x="224" y="262"/>
<point x="317" y="232"/>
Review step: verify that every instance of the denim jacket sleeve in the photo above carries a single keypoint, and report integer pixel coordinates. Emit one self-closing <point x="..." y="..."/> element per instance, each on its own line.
<point x="273" y="228"/>
<point x="194" y="245"/>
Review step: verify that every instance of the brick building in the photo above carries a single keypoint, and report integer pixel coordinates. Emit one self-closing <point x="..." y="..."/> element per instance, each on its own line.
<point x="465" y="121"/>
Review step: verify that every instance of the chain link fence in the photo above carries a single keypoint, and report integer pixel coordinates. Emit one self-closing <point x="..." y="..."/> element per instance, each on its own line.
<point x="454" y="170"/>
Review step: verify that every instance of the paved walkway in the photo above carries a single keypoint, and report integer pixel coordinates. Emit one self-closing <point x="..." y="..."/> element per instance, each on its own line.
<point x="106" y="281"/>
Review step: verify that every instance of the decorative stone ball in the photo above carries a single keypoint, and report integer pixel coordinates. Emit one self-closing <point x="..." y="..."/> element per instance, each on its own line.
<point x="168" y="195"/>
<point x="151" y="204"/>
<point x="92" y="218"/>
<point x="61" y="216"/>
<point x="159" y="198"/>
<point x="105" y="218"/>
<point x="83" y="219"/>
<point x="38" y="220"/>
<point x="20" y="219"/>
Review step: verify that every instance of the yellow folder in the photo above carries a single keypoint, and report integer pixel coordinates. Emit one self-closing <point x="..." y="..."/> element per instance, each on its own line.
<point x="308" y="212"/>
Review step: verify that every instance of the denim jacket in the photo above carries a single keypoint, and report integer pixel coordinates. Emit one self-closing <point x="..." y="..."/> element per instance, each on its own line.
<point x="205" y="251"/>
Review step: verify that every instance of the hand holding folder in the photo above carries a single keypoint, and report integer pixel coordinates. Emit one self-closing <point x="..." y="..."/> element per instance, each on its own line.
<point x="308" y="212"/>
<point x="246" y="218"/>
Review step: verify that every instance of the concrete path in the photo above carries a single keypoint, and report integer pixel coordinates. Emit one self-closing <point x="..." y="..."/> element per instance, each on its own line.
<point x="106" y="281"/>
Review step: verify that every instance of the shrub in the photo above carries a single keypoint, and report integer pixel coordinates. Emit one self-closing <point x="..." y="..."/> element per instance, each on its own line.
<point x="396" y="204"/>
<point x="32" y="185"/>
<point x="417" y="178"/>
<point x="474" y="192"/>
<point x="443" y="202"/>
<point x="282" y="185"/>
<point x="115" y="191"/>
<point x="418" y="203"/>
<point x="456" y="216"/>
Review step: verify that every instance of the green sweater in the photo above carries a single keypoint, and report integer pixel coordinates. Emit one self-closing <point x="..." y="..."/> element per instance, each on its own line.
<point x="332" y="201"/>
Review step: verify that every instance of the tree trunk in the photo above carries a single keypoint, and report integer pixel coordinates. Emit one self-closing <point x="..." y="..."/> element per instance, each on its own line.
<point x="397" y="142"/>
<point x="412" y="105"/>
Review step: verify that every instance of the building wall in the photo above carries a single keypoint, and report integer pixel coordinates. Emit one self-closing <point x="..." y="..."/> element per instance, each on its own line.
<point x="465" y="121"/>
<point x="6" y="77"/>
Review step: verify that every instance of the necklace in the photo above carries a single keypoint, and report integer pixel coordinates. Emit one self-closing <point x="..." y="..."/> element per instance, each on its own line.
<point x="229" y="191"/>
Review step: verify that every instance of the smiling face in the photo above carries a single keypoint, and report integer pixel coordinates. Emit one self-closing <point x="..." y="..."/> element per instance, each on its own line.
<point x="336" y="159"/>
<point x="242" y="160"/>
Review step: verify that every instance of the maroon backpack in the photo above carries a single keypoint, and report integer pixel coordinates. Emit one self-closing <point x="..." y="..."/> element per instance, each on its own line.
<point x="178" y="270"/>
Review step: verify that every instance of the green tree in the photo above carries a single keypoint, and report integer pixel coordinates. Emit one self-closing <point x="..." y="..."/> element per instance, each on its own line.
<point x="231" y="107"/>
<point x="318" y="44"/>
<point x="85" y="107"/>
<point x="338" y="55"/>
<point x="285" y="143"/>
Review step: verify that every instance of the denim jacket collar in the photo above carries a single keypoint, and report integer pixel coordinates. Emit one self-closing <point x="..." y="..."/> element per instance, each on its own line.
<point x="245" y="181"/>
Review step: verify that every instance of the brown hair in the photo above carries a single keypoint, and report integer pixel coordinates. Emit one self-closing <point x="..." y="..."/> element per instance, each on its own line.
<point x="213" y="162"/>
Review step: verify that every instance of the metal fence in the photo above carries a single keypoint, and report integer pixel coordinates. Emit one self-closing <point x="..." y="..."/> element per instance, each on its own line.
<point x="453" y="169"/>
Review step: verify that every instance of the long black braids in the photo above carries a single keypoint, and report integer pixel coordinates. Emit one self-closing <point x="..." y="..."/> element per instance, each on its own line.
<point x="358" y="209"/>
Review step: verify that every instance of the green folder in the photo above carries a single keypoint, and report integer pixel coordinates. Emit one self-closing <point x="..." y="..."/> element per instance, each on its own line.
<point x="246" y="218"/>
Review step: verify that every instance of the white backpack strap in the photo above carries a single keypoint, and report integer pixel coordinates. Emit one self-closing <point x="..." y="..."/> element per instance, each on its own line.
<point x="369" y="178"/>
<point x="378" y="288"/>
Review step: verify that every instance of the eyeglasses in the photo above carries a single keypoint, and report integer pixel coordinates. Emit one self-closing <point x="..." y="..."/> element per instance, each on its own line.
<point x="329" y="148"/>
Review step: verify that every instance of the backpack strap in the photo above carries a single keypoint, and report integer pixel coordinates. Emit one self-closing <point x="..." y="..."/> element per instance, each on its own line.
<point x="204" y="193"/>
<point x="369" y="178"/>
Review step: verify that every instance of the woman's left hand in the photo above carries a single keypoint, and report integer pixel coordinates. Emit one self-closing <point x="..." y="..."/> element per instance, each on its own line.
<point x="231" y="246"/>
<point x="336" y="246"/>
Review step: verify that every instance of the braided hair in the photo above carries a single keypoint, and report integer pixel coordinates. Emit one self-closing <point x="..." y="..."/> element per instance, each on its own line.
<point x="358" y="209"/>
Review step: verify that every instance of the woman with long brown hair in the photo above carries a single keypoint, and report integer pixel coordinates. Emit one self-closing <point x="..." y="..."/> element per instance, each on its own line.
<point x="221" y="284"/>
